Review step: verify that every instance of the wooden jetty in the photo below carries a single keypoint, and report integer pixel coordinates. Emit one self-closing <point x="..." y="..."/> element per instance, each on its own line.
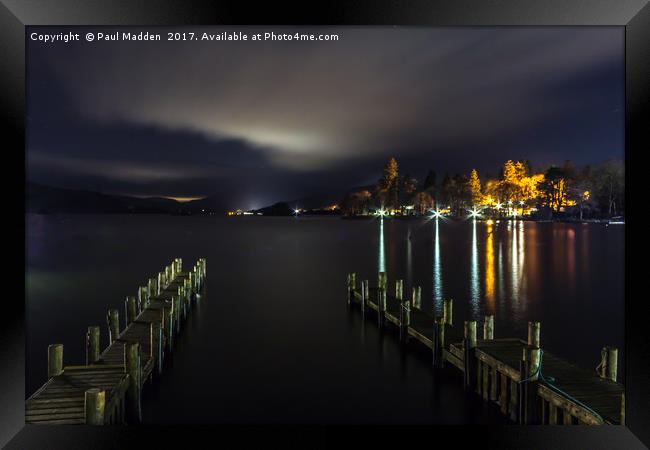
<point x="107" y="389"/>
<point x="530" y="385"/>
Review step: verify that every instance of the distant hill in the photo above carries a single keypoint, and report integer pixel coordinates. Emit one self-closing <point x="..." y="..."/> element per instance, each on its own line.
<point x="322" y="200"/>
<point x="47" y="200"/>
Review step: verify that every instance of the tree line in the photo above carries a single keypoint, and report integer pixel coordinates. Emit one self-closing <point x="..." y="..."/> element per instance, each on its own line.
<point x="557" y="191"/>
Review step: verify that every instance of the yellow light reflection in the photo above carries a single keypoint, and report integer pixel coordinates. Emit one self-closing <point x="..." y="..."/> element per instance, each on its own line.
<point x="474" y="278"/>
<point x="489" y="265"/>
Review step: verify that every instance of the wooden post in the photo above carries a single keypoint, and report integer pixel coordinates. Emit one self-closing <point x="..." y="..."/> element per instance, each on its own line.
<point x="144" y="298"/>
<point x="131" y="311"/>
<point x="132" y="366"/>
<point x="161" y="282"/>
<point x="177" y="313"/>
<point x="399" y="289"/>
<point x="54" y="360"/>
<point x="439" y="341"/>
<point x="609" y="365"/>
<point x="352" y="285"/>
<point x="448" y="311"/>
<point x="92" y="345"/>
<point x="488" y="328"/>
<point x="404" y="319"/>
<point x="534" y="334"/>
<point x="113" y="319"/>
<point x="158" y="344"/>
<point x="417" y="297"/>
<point x="151" y="288"/>
<point x="381" y="297"/>
<point x="365" y="293"/>
<point x="623" y="408"/>
<point x="469" y="345"/>
<point x="494" y="377"/>
<point x="529" y="376"/>
<point x="94" y="406"/>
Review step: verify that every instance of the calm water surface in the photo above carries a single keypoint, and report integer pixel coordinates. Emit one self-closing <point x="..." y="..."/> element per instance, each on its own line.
<point x="273" y="340"/>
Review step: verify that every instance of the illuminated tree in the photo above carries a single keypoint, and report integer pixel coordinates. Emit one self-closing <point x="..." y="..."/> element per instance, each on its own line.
<point x="475" y="188"/>
<point x="388" y="187"/>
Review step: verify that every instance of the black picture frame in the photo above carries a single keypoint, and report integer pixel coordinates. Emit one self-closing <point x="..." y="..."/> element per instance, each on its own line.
<point x="15" y="15"/>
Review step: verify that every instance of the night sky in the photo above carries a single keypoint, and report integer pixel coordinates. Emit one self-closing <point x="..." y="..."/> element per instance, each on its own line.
<point x="258" y="122"/>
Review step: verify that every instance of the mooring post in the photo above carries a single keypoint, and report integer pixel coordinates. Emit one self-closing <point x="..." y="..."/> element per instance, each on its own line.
<point x="54" y="360"/>
<point x="94" y="406"/>
<point x="177" y="313"/>
<point x="365" y="292"/>
<point x="534" y="334"/>
<point x="404" y="319"/>
<point x="169" y="326"/>
<point x="531" y="361"/>
<point x="439" y="341"/>
<point x="399" y="289"/>
<point x="161" y="282"/>
<point x="131" y="310"/>
<point x="488" y="328"/>
<point x="132" y="366"/>
<point x="352" y="285"/>
<point x="623" y="408"/>
<point x="113" y="319"/>
<point x="157" y="332"/>
<point x="469" y="344"/>
<point x="144" y="297"/>
<point x="381" y="297"/>
<point x="92" y="345"/>
<point x="417" y="297"/>
<point x="448" y="311"/>
<point x="609" y="363"/>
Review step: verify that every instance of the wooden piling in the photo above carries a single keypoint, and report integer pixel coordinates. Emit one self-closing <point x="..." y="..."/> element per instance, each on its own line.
<point x="365" y="294"/>
<point x="528" y="384"/>
<point x="113" y="319"/>
<point x="381" y="297"/>
<point x="132" y="366"/>
<point x="623" y="409"/>
<point x="469" y="344"/>
<point x="417" y="298"/>
<point x="131" y="309"/>
<point x="352" y="285"/>
<point x="448" y="311"/>
<point x="399" y="289"/>
<point x="534" y="334"/>
<point x="94" y="406"/>
<point x="54" y="360"/>
<point x="92" y="345"/>
<point x="438" y="341"/>
<point x="611" y="364"/>
<point x="488" y="328"/>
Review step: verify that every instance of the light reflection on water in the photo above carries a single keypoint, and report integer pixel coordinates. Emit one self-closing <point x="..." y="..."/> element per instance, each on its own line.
<point x="516" y="269"/>
<point x="382" y="255"/>
<point x="437" y="270"/>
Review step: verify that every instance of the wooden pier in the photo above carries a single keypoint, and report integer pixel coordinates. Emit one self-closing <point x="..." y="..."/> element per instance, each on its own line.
<point x="530" y="385"/>
<point x="107" y="389"/>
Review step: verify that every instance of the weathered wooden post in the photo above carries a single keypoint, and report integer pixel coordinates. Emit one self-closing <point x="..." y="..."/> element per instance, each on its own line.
<point x="92" y="345"/>
<point x="488" y="328"/>
<point x="352" y="285"/>
<point x="151" y="288"/>
<point x="95" y="406"/>
<point x="381" y="297"/>
<point x="448" y="311"/>
<point x="168" y="313"/>
<point x="405" y="318"/>
<point x="177" y="313"/>
<point x="399" y="290"/>
<point x="157" y="339"/>
<point x="113" y="319"/>
<point x="161" y="282"/>
<point x="417" y="298"/>
<point x="438" y="341"/>
<point x="54" y="360"/>
<point x="623" y="409"/>
<point x="365" y="293"/>
<point x="143" y="298"/>
<point x="529" y="376"/>
<point x="534" y="334"/>
<point x="131" y="310"/>
<point x="132" y="366"/>
<point x="469" y="345"/>
<point x="609" y="363"/>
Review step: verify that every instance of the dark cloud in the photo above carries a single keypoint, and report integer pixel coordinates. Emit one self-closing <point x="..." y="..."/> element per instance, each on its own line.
<point x="281" y="118"/>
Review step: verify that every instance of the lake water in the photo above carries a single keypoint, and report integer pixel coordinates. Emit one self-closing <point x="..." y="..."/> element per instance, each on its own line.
<point x="273" y="340"/>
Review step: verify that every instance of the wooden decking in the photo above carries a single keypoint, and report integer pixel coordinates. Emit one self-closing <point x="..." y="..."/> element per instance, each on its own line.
<point x="558" y="393"/>
<point x="107" y="389"/>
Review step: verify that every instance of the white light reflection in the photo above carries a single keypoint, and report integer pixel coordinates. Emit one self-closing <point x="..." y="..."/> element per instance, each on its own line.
<point x="474" y="277"/>
<point x="437" y="271"/>
<point x="382" y="257"/>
